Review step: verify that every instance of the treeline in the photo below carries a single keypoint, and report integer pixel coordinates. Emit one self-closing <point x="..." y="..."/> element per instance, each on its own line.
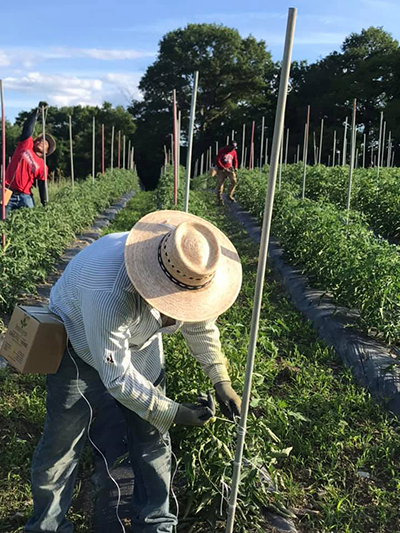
<point x="238" y="84"/>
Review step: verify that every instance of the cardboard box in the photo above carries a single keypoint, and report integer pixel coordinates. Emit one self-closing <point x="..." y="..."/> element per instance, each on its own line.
<point x="35" y="340"/>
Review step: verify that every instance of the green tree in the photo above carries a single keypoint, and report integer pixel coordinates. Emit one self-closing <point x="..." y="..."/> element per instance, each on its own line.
<point x="233" y="74"/>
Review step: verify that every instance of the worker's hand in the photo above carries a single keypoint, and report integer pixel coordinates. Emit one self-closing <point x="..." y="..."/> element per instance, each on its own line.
<point x="228" y="400"/>
<point x="190" y="414"/>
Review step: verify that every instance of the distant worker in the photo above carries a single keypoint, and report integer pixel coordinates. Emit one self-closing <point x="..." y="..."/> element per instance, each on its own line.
<point x="227" y="164"/>
<point x="27" y="165"/>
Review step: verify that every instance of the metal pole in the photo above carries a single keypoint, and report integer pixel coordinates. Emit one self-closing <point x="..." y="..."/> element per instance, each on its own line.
<point x="353" y="149"/>
<point x="216" y="147"/>
<point x="112" y="147"/>
<point x="287" y="147"/>
<point x="201" y="164"/>
<point x="179" y="145"/>
<point x="3" y="161"/>
<point x="190" y="140"/>
<point x="334" y="149"/>
<point x="245" y="156"/>
<point x="320" y="141"/>
<point x="344" y="154"/>
<point x="379" y="143"/>
<point x="71" y="152"/>
<point x="175" y="134"/>
<point x="46" y="190"/>
<point x="129" y="155"/>
<point x="233" y="135"/>
<point x="266" y="151"/>
<point x="262" y="141"/>
<point x="94" y="149"/>
<point x="305" y="152"/>
<point x="102" y="149"/>
<point x="298" y="154"/>
<point x="315" y="149"/>
<point x="243" y="142"/>
<point x="269" y="201"/>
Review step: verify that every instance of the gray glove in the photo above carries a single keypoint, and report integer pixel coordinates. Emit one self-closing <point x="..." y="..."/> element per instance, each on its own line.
<point x="228" y="400"/>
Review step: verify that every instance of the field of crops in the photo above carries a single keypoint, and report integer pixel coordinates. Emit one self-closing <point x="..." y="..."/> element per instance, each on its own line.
<point x="329" y="450"/>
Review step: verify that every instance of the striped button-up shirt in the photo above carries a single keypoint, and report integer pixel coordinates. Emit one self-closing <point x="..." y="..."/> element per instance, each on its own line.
<point x="115" y="331"/>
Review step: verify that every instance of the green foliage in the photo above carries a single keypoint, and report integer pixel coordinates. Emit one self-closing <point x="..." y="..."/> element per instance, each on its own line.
<point x="36" y="237"/>
<point x="361" y="270"/>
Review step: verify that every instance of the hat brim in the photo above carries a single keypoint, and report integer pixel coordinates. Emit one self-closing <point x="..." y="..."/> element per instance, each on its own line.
<point x="50" y="139"/>
<point x="146" y="275"/>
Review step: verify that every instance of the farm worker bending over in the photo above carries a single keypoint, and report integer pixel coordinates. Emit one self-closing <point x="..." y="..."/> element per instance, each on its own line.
<point x="227" y="164"/>
<point x="173" y="271"/>
<point x="27" y="165"/>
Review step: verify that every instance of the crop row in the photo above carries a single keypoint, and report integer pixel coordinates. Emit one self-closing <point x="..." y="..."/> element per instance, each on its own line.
<point x="36" y="237"/>
<point x="377" y="197"/>
<point x="361" y="270"/>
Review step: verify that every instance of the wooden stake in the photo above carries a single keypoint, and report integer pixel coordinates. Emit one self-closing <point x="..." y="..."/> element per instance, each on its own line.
<point x="175" y="134"/>
<point x="334" y="149"/>
<point x="315" y="149"/>
<point x="266" y="227"/>
<point x="242" y="163"/>
<point x="320" y="142"/>
<point x="119" y="149"/>
<point x="383" y="145"/>
<point x="102" y="149"/>
<point x="379" y="143"/>
<point x="129" y="155"/>
<point x="123" y="152"/>
<point x="389" y="145"/>
<point x="201" y="164"/>
<point x="266" y="151"/>
<point x="344" y="153"/>
<point x="364" y="149"/>
<point x="305" y="152"/>
<point x="94" y="149"/>
<point x="251" y="162"/>
<point x="281" y="162"/>
<point x="46" y="185"/>
<point x="298" y="154"/>
<point x="262" y="141"/>
<point x="112" y="147"/>
<point x="71" y="152"/>
<point x="3" y="162"/>
<point x="287" y="146"/>
<point x="353" y="149"/>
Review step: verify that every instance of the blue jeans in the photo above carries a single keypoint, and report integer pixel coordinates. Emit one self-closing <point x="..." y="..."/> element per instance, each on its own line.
<point x="55" y="462"/>
<point x="18" y="200"/>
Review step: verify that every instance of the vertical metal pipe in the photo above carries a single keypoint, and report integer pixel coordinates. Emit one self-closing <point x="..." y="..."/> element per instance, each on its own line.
<point x="46" y="184"/>
<point x="119" y="149"/>
<point x="364" y="148"/>
<point x="266" y="227"/>
<point x="123" y="151"/>
<point x="383" y="144"/>
<point x="243" y="143"/>
<point x="266" y="151"/>
<point x="251" y="162"/>
<point x="287" y="146"/>
<point x="298" y="154"/>
<point x="175" y="134"/>
<point x="389" y="145"/>
<point x="190" y="140"/>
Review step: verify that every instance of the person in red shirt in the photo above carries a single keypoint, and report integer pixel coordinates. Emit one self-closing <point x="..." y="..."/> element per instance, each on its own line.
<point x="27" y="165"/>
<point x="227" y="164"/>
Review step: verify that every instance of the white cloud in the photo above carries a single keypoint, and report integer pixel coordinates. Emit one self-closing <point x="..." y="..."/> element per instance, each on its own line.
<point x="69" y="90"/>
<point x="28" y="57"/>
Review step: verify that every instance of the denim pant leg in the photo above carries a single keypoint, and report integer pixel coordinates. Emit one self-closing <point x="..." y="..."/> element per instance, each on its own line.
<point x="150" y="456"/>
<point x="19" y="200"/>
<point x="55" y="462"/>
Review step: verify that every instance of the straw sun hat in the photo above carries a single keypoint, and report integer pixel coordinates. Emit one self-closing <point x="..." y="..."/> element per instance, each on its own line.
<point x="50" y="139"/>
<point x="183" y="266"/>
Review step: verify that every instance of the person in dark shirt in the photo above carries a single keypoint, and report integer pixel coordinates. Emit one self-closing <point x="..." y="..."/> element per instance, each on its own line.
<point x="27" y="165"/>
<point x="227" y="164"/>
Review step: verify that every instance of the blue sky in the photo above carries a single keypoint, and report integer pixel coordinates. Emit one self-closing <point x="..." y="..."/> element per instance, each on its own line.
<point x="84" y="52"/>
